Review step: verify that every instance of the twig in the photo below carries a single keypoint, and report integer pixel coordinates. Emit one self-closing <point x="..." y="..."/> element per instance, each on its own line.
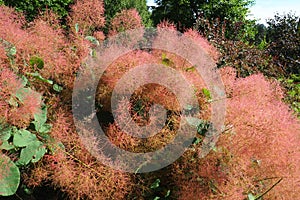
<point x="268" y="190"/>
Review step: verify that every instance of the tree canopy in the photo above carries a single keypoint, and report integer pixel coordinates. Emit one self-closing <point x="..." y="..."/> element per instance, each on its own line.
<point x="185" y="12"/>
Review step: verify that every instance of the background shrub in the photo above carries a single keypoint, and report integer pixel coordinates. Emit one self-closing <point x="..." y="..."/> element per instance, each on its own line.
<point x="32" y="8"/>
<point x="283" y="36"/>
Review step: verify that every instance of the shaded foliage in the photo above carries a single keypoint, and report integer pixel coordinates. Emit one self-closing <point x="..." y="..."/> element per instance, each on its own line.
<point x="247" y="59"/>
<point x="31" y="8"/>
<point x="283" y="36"/>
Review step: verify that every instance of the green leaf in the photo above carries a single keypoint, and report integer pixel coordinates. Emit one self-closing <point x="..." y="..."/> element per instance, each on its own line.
<point x="251" y="197"/>
<point x="10" y="176"/>
<point x="93" y="40"/>
<point x="11" y="51"/>
<point x="201" y="125"/>
<point x="23" y="138"/>
<point x="24" y="80"/>
<point x="168" y="193"/>
<point x="7" y="146"/>
<point x="40" y="119"/>
<point x="76" y="27"/>
<point x="190" y="69"/>
<point x="27" y="190"/>
<point x="197" y="140"/>
<point x="206" y="92"/>
<point x="45" y="128"/>
<point x="57" y="88"/>
<point x="31" y="153"/>
<point x="6" y="133"/>
<point x="36" y="61"/>
<point x="40" y="152"/>
<point x="155" y="184"/>
<point x="166" y="61"/>
<point x="12" y="101"/>
<point x="203" y="128"/>
<point x="39" y="77"/>
<point x="156" y="198"/>
<point x="22" y="93"/>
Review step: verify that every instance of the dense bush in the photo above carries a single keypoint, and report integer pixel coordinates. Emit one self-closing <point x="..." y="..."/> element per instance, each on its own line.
<point x="125" y="20"/>
<point x="247" y="59"/>
<point x="48" y="59"/>
<point x="267" y="53"/>
<point x="31" y="8"/>
<point x="257" y="154"/>
<point x="86" y="17"/>
<point x="283" y="35"/>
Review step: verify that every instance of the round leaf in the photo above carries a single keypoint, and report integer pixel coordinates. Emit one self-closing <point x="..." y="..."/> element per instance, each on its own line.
<point x="9" y="176"/>
<point x="23" y="138"/>
<point x="7" y="146"/>
<point x="5" y="134"/>
<point x="36" y="61"/>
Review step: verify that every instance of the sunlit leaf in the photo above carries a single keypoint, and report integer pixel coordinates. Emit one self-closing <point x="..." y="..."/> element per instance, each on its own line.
<point x="40" y="119"/>
<point x="39" y="77"/>
<point x="57" y="88"/>
<point x="7" y="146"/>
<point x="155" y="184"/>
<point x="23" y="138"/>
<point x="31" y="153"/>
<point x="93" y="40"/>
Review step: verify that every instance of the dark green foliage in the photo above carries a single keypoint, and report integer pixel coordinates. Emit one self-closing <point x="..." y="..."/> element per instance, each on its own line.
<point x="283" y="35"/>
<point x="112" y="7"/>
<point x="32" y="8"/>
<point x="292" y="84"/>
<point x="260" y="37"/>
<point x="185" y="13"/>
<point x="36" y="61"/>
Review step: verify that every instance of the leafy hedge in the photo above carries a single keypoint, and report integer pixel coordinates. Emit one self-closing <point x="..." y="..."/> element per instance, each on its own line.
<point x="32" y="8"/>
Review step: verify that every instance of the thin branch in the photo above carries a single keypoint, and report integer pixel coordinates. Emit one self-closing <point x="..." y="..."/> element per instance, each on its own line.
<point x="268" y="190"/>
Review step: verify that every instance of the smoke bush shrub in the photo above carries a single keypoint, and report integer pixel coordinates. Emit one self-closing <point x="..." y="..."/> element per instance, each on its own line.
<point x="67" y="165"/>
<point x="262" y="144"/>
<point x="167" y="24"/>
<point x="125" y="20"/>
<point x="265" y="134"/>
<point x="87" y="15"/>
<point x="18" y="104"/>
<point x="211" y="50"/>
<point x="259" y="147"/>
<point x="74" y="170"/>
